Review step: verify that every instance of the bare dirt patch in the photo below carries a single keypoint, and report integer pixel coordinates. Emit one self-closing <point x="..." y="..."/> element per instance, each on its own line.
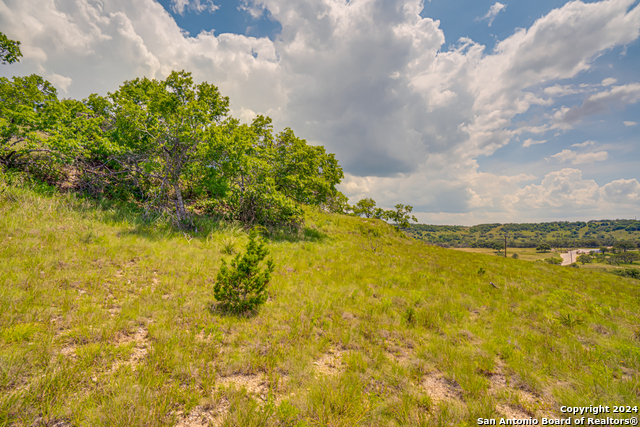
<point x="522" y="403"/>
<point x="41" y="422"/>
<point x="330" y="363"/>
<point x="201" y="337"/>
<point x="204" y="416"/>
<point x="628" y="374"/>
<point x="69" y="351"/>
<point x="441" y="389"/>
<point x="257" y="386"/>
<point x="140" y="338"/>
<point x="254" y="384"/>
<point x="398" y="354"/>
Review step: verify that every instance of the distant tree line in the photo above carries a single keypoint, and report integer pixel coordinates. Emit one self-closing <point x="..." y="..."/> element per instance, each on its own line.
<point x="592" y="234"/>
<point x="167" y="145"/>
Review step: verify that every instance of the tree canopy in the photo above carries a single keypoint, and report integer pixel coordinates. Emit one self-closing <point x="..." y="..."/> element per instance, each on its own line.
<point x="169" y="145"/>
<point x="9" y="50"/>
<point x="544" y="247"/>
<point x="400" y="216"/>
<point x="159" y="126"/>
<point x="625" y="245"/>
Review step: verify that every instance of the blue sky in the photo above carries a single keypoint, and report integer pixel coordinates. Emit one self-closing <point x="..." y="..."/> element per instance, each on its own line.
<point x="471" y="111"/>
<point x="226" y="16"/>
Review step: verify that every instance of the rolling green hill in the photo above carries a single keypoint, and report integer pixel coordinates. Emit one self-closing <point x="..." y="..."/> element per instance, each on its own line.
<point x="558" y="234"/>
<point x="108" y="319"/>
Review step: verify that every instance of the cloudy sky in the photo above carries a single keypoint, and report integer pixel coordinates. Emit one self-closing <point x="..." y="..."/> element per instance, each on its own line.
<point x="471" y="111"/>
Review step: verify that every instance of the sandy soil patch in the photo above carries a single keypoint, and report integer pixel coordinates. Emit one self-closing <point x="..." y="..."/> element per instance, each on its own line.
<point x="205" y="416"/>
<point x="254" y="384"/>
<point x="69" y="351"/>
<point x="330" y="363"/>
<point x="440" y="388"/>
<point x="140" y="338"/>
<point x="523" y="403"/>
<point x="398" y="354"/>
<point x="41" y="422"/>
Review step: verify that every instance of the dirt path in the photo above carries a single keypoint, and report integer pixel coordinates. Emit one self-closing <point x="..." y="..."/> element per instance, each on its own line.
<point x="572" y="256"/>
<point x="569" y="257"/>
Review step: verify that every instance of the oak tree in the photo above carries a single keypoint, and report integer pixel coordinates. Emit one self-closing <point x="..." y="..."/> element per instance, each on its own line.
<point x="161" y="124"/>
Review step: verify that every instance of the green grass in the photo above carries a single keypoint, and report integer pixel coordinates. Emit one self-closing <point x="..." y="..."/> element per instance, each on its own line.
<point x="107" y="320"/>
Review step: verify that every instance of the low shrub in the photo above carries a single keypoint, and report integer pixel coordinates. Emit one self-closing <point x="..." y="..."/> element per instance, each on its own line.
<point x="242" y="287"/>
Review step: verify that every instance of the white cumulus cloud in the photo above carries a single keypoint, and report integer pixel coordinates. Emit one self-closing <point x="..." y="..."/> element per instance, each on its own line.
<point x="60" y="82"/>
<point x="492" y="12"/>
<point x="561" y="90"/>
<point x="196" y="6"/>
<point x="564" y="188"/>
<point x="584" y="144"/>
<point x="581" y="158"/>
<point x="567" y="193"/>
<point x="529" y="142"/>
<point x="622" y="191"/>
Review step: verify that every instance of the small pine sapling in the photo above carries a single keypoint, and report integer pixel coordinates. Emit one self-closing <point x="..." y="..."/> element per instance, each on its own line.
<point x="242" y="287"/>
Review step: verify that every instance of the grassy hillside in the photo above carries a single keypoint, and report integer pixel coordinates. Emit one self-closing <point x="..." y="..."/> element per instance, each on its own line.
<point x="107" y="320"/>
<point x="558" y="234"/>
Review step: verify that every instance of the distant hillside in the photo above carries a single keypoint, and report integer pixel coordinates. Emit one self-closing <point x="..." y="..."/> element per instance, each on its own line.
<point x="529" y="235"/>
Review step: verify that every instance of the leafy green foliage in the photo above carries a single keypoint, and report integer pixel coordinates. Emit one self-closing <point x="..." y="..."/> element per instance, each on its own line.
<point x="627" y="257"/>
<point x="402" y="215"/>
<point x="544" y="247"/>
<point x="237" y="169"/>
<point x="498" y="246"/>
<point x="625" y="245"/>
<point x="169" y="145"/>
<point x="584" y="258"/>
<point x="160" y="125"/>
<point x="304" y="173"/>
<point x="365" y="207"/>
<point x="9" y="50"/>
<point x="242" y="287"/>
<point x="25" y="112"/>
